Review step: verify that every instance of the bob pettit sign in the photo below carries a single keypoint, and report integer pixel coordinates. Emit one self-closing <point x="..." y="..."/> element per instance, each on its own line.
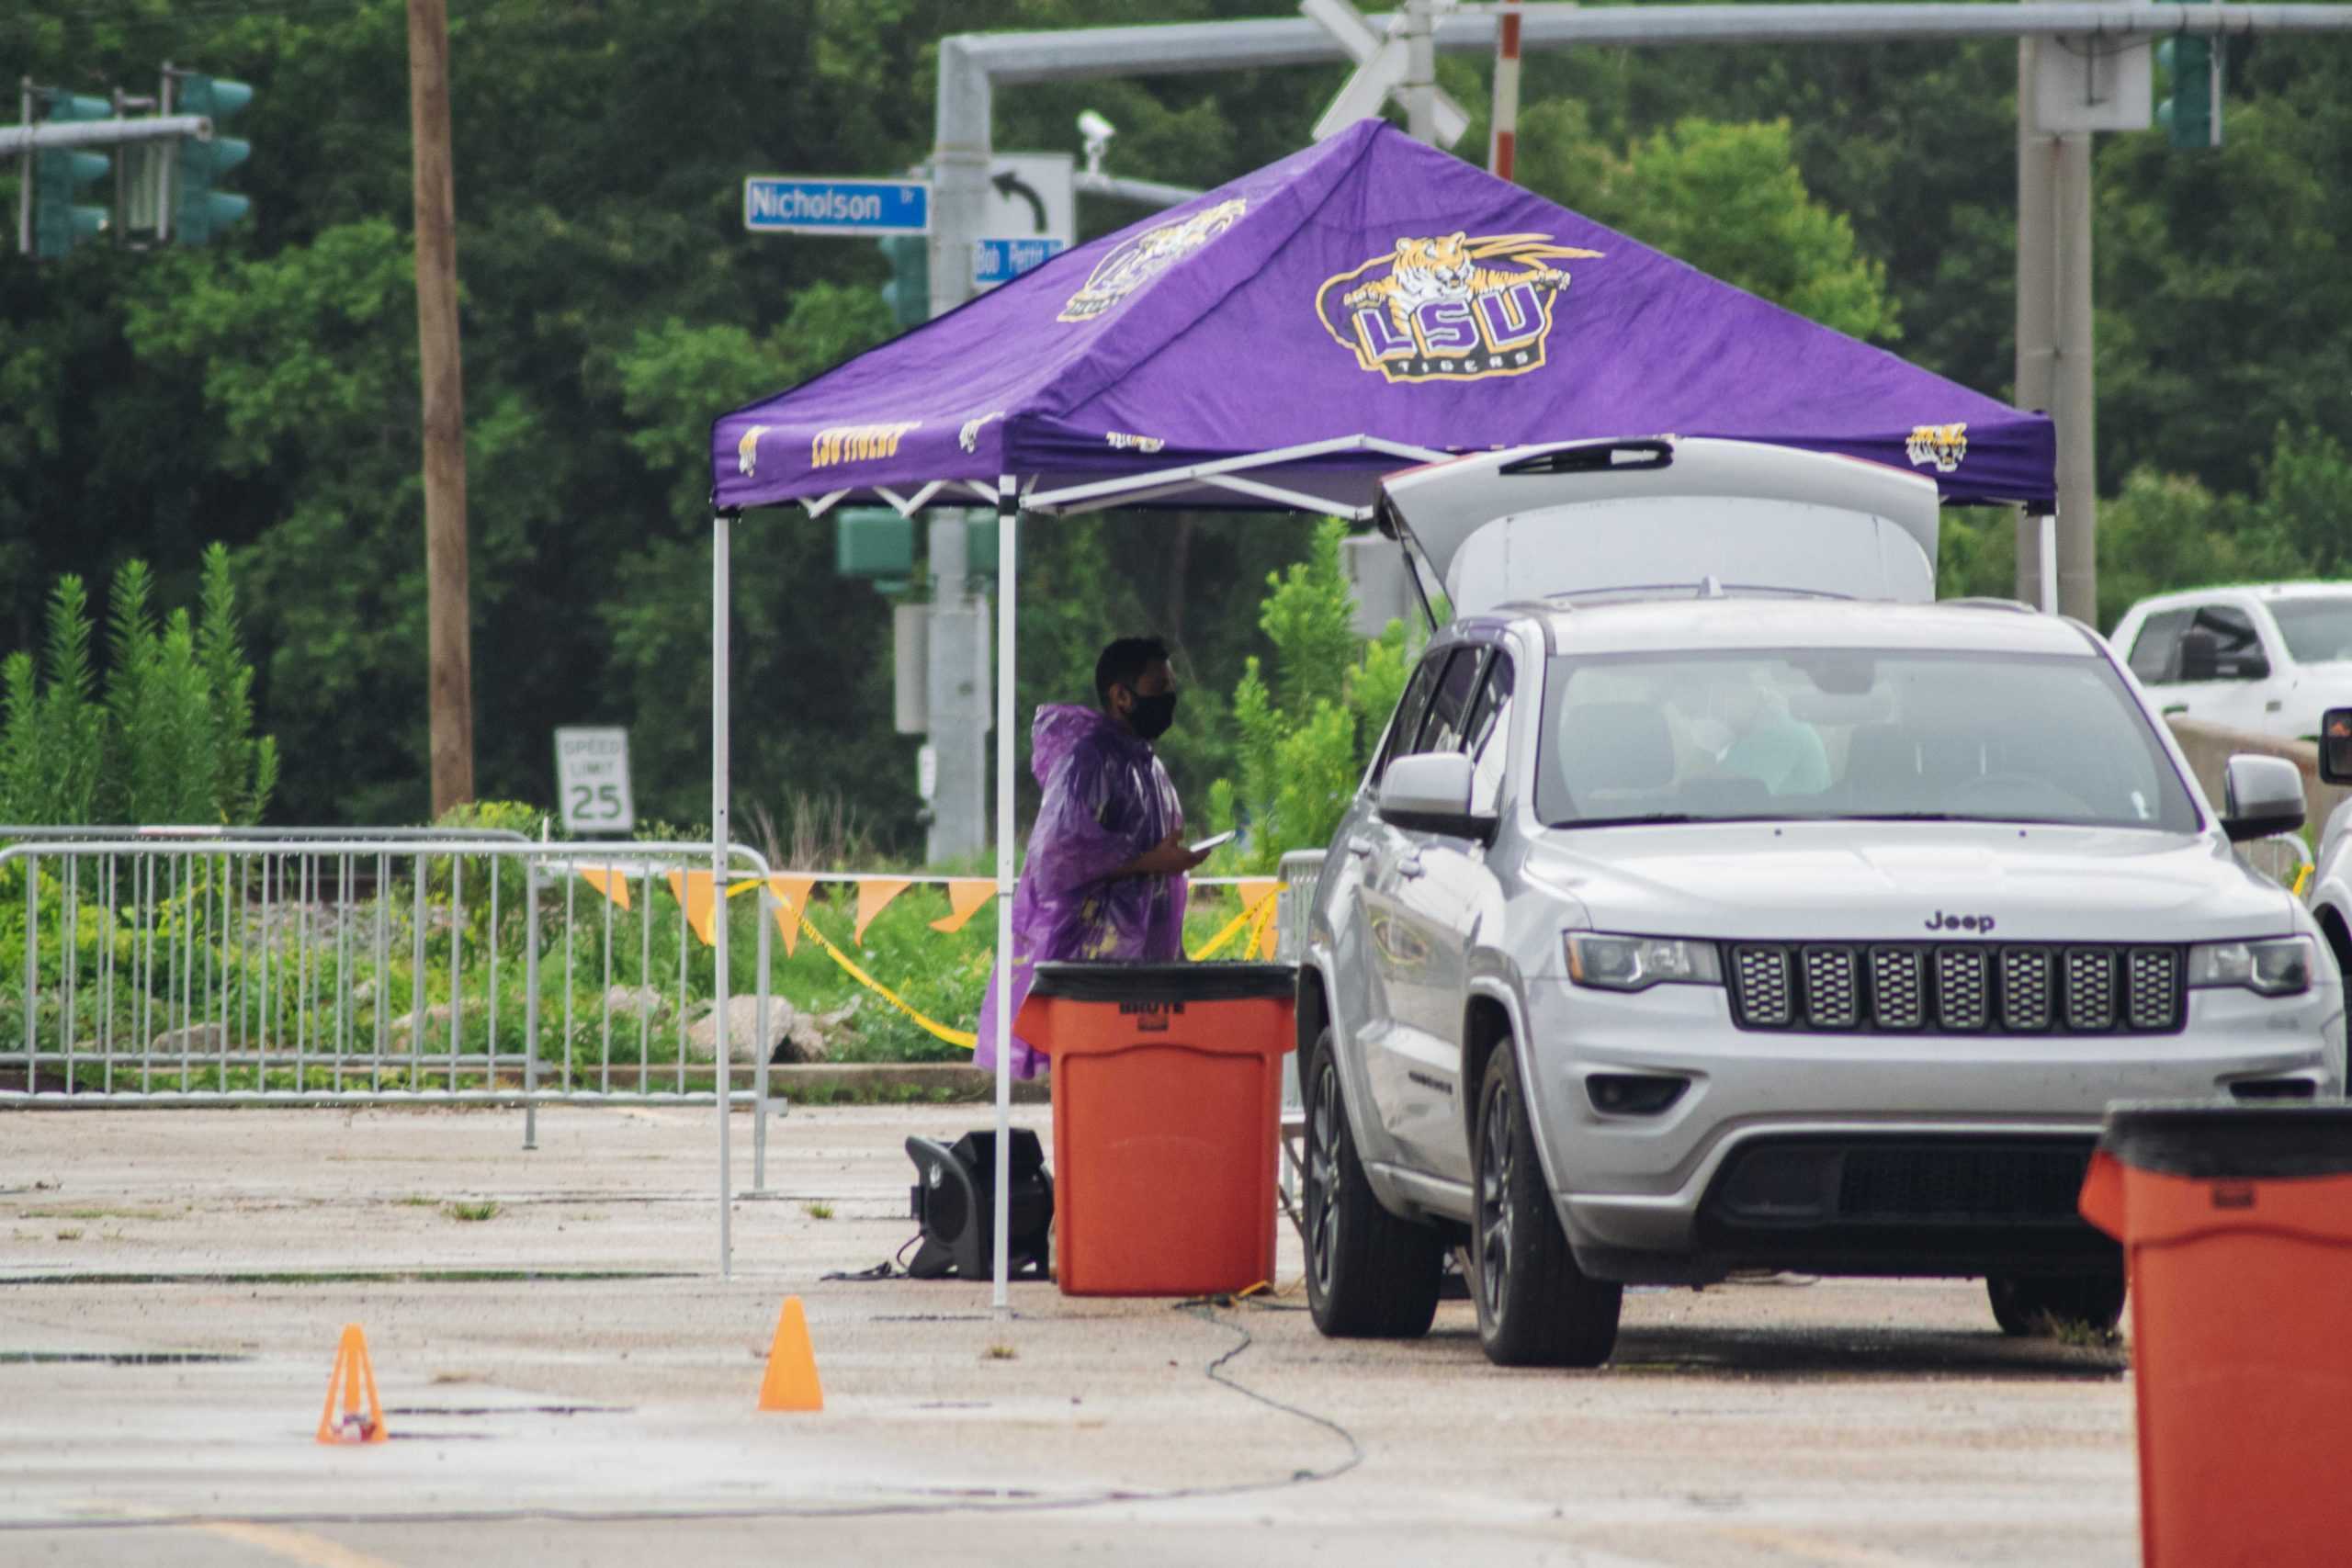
<point x="591" y="781"/>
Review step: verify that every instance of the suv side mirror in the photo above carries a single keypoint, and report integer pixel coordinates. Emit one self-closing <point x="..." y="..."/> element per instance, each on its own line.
<point x="2336" y="747"/>
<point x="1429" y="792"/>
<point x="2261" y="797"/>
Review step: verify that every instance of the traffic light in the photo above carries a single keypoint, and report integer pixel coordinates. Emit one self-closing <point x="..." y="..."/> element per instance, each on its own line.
<point x="2191" y="110"/>
<point x="59" y="176"/>
<point x="199" y="209"/>
<point x="908" y="291"/>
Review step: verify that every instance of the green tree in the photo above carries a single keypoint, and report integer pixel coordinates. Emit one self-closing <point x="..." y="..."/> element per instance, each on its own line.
<point x="1727" y="198"/>
<point x="1306" y="720"/>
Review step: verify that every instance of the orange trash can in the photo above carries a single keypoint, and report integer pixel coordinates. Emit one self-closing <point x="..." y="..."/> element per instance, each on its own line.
<point x="2236" y="1226"/>
<point x="1167" y="1110"/>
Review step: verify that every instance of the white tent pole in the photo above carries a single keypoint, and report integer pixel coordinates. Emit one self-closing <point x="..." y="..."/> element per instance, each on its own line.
<point x="722" y="1070"/>
<point x="1007" y="520"/>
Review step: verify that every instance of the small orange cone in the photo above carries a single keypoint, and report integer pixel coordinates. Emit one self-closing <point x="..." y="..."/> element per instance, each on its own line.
<point x="791" y="1380"/>
<point x="353" y="1376"/>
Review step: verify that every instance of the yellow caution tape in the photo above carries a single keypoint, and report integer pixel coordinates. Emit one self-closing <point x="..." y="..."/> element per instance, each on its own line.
<point x="1255" y="917"/>
<point x="929" y="1025"/>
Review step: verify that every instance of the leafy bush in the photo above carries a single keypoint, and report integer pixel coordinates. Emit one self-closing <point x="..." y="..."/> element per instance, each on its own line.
<point x="1306" y="727"/>
<point x="170" y="740"/>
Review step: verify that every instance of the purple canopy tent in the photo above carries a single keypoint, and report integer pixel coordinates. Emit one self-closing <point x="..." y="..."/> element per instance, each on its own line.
<point x="1282" y="342"/>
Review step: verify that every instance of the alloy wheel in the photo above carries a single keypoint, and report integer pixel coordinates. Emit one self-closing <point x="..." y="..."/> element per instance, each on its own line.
<point x="1323" y="1175"/>
<point x="1494" y="1174"/>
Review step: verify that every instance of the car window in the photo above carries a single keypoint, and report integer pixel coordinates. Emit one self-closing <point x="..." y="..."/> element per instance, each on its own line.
<point x="2156" y="652"/>
<point x="1875" y="734"/>
<point x="1450" y="707"/>
<point x="2317" y="630"/>
<point x="1487" y="740"/>
<point x="1410" y="711"/>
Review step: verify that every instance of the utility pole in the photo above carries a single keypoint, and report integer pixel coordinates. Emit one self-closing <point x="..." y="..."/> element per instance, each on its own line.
<point x="2053" y="339"/>
<point x="450" y="653"/>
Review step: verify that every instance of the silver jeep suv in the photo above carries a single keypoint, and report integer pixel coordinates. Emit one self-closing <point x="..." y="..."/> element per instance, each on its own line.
<point x="1667" y="936"/>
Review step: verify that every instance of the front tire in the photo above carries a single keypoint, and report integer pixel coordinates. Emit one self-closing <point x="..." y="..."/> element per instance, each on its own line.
<point x="1537" y="1308"/>
<point x="1368" y="1274"/>
<point x="2038" y="1306"/>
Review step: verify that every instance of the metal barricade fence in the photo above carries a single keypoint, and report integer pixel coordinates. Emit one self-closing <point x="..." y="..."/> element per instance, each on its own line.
<point x="376" y="969"/>
<point x="1300" y="870"/>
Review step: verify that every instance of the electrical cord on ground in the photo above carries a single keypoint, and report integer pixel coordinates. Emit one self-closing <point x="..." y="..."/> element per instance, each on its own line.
<point x="1008" y="1500"/>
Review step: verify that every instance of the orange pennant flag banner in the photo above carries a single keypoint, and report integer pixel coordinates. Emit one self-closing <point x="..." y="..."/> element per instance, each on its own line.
<point x="612" y="882"/>
<point x="691" y="890"/>
<point x="967" y="896"/>
<point x="791" y="894"/>
<point x="1257" y="895"/>
<point x="873" y="897"/>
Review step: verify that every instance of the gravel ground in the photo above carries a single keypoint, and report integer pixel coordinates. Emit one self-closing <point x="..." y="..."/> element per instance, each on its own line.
<point x="569" y="1379"/>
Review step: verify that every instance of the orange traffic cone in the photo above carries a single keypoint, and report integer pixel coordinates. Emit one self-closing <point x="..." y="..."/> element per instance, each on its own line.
<point x="791" y="1380"/>
<point x="353" y="1376"/>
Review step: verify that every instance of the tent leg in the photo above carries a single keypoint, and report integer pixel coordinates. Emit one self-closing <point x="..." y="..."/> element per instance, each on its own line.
<point x="1007" y="515"/>
<point x="723" y="1068"/>
<point x="2048" y="546"/>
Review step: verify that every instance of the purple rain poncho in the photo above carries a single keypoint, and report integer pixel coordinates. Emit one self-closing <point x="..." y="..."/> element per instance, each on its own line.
<point x="1107" y="800"/>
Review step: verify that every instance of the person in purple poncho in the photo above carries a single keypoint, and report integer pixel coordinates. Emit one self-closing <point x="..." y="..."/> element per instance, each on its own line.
<point x="1104" y="878"/>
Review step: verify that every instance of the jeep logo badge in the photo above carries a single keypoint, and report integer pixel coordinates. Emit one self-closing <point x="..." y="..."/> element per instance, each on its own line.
<point x="1981" y="924"/>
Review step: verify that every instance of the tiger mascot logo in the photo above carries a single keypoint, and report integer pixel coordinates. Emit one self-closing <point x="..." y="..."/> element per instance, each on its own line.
<point x="1441" y="311"/>
<point x="747" y="451"/>
<point x="1132" y="264"/>
<point x="1945" y="446"/>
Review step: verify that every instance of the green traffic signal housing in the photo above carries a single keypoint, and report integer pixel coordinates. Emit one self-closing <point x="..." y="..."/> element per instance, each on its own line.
<point x="2191" y="109"/>
<point x="60" y="221"/>
<point x="908" y="294"/>
<point x="199" y="209"/>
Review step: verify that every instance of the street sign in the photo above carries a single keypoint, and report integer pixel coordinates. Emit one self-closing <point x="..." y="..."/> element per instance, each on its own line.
<point x="1001" y="261"/>
<point x="1032" y="195"/>
<point x="797" y="204"/>
<point x="591" y="781"/>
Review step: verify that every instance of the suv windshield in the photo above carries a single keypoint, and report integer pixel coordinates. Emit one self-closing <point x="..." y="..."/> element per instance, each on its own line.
<point x="2318" y="631"/>
<point x="1855" y="733"/>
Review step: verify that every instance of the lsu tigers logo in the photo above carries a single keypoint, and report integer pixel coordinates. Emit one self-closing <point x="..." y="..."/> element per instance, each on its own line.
<point x="1132" y="264"/>
<point x="747" y="451"/>
<point x="1945" y="446"/>
<point x="1452" y="307"/>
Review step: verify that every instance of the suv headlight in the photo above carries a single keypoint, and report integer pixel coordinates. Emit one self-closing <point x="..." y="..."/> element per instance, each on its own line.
<point x="2278" y="967"/>
<point x="1637" y="963"/>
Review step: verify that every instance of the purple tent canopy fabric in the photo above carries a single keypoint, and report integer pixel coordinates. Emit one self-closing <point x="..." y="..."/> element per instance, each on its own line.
<point x="1370" y="287"/>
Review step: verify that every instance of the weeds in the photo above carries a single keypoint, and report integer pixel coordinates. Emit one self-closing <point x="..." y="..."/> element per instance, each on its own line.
<point x="2076" y="1335"/>
<point x="818" y="1210"/>
<point x="1002" y="1353"/>
<point x="487" y="1208"/>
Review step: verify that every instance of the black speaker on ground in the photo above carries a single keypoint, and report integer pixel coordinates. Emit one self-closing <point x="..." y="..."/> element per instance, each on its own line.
<point x="955" y="1198"/>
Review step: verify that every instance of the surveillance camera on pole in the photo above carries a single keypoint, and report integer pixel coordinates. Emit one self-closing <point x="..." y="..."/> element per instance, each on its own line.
<point x="1098" y="132"/>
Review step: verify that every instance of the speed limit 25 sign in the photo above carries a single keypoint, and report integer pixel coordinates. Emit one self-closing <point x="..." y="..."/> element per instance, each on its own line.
<point x="591" y="781"/>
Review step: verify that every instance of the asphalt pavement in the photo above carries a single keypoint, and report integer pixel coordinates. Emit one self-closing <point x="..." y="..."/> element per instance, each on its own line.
<point x="567" y="1379"/>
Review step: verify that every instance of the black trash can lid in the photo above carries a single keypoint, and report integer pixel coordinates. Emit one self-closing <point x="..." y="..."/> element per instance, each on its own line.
<point x="1165" y="982"/>
<point x="2224" y="1140"/>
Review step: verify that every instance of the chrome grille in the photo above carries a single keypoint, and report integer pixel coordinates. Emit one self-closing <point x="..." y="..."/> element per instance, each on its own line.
<point x="2090" y="989"/>
<point x="1832" y="990"/>
<point x="2154" y="995"/>
<point x="1957" y="987"/>
<point x="1761" y="979"/>
<point x="2025" y="989"/>
<point x="1899" y="987"/>
<point x="1963" y="989"/>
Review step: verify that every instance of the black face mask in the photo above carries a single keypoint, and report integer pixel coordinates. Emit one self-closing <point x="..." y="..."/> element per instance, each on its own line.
<point x="1150" y="718"/>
